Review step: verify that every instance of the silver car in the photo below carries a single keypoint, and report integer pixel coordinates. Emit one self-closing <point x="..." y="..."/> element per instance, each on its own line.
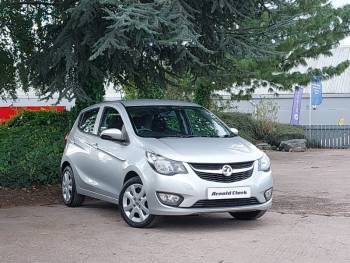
<point x="159" y="157"/>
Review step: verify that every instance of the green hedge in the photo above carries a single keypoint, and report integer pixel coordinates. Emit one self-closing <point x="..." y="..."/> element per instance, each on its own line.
<point x="31" y="146"/>
<point x="241" y="121"/>
<point x="252" y="130"/>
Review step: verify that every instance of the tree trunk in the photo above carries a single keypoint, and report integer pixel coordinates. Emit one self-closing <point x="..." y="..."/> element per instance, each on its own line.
<point x="202" y="94"/>
<point x="95" y="92"/>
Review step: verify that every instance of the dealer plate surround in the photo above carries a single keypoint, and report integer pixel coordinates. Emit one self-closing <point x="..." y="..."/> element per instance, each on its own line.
<point x="229" y="192"/>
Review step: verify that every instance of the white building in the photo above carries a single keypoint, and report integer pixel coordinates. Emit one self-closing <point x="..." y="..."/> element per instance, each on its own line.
<point x="31" y="99"/>
<point x="335" y="107"/>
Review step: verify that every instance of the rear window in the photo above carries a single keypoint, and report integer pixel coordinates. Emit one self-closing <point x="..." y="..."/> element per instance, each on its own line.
<point x="87" y="121"/>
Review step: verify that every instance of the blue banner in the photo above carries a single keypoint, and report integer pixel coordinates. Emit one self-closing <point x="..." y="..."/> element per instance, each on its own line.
<point x="295" y="116"/>
<point x="316" y="91"/>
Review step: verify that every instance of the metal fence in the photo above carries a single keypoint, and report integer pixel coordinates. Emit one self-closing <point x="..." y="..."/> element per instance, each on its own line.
<point x="328" y="136"/>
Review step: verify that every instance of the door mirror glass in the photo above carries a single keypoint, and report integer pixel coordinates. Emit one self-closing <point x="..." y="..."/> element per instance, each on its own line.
<point x="112" y="134"/>
<point x="234" y="131"/>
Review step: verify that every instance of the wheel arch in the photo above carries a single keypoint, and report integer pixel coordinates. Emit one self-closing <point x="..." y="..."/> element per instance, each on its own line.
<point x="129" y="175"/>
<point x="64" y="165"/>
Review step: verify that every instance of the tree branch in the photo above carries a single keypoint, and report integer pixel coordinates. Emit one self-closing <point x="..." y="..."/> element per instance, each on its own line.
<point x="34" y="3"/>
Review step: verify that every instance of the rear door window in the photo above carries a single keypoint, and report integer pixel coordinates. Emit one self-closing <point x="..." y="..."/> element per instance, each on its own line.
<point x="88" y="120"/>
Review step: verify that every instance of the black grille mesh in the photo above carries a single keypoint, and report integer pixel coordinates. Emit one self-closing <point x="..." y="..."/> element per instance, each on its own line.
<point x="217" y="166"/>
<point x="226" y="203"/>
<point x="215" y="177"/>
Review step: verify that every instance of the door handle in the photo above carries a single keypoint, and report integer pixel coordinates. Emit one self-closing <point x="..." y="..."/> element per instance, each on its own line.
<point x="94" y="145"/>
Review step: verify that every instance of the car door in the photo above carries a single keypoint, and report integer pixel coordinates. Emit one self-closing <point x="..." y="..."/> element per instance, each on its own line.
<point x="110" y="154"/>
<point x="84" y="156"/>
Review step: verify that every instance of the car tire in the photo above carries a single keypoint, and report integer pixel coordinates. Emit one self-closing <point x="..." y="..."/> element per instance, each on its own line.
<point x="133" y="205"/>
<point x="251" y="215"/>
<point x="70" y="195"/>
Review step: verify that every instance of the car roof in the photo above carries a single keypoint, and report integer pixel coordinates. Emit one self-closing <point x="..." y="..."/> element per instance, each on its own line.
<point x="143" y="102"/>
<point x="155" y="102"/>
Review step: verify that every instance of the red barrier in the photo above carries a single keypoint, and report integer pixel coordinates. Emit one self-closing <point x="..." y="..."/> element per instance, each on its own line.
<point x="7" y="113"/>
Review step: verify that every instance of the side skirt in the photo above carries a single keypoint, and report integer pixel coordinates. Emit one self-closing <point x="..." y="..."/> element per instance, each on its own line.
<point x="98" y="196"/>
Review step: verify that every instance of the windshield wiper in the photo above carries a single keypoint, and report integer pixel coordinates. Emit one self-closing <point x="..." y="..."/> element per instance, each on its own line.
<point x="194" y="136"/>
<point x="177" y="136"/>
<point x="228" y="136"/>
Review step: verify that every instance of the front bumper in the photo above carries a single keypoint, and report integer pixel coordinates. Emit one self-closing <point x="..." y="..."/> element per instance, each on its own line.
<point x="192" y="188"/>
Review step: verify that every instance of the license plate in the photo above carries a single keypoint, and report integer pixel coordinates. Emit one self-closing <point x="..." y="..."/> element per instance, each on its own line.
<point x="229" y="192"/>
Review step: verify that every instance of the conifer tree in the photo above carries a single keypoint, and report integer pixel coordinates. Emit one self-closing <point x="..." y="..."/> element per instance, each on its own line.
<point x="73" y="47"/>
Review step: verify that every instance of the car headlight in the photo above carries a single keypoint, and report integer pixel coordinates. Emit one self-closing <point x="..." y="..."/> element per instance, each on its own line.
<point x="165" y="166"/>
<point x="264" y="163"/>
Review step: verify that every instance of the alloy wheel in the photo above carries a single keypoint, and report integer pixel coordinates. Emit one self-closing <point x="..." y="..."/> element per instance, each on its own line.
<point x="135" y="203"/>
<point x="67" y="185"/>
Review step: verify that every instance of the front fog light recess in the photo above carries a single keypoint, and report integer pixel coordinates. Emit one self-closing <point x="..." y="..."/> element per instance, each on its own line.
<point x="268" y="194"/>
<point x="169" y="198"/>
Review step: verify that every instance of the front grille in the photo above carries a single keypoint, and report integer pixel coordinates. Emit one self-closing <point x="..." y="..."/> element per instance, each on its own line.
<point x="225" y="203"/>
<point x="219" y="177"/>
<point x="225" y="179"/>
<point x="218" y="166"/>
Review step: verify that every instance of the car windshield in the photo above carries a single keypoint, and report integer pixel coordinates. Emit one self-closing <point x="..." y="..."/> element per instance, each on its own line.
<point x="175" y="121"/>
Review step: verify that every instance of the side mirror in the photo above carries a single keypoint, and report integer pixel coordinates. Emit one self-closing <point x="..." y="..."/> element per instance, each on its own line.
<point x="112" y="134"/>
<point x="234" y="131"/>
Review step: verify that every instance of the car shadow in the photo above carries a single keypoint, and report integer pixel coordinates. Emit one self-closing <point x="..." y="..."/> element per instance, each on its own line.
<point x="208" y="222"/>
<point x="190" y="223"/>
